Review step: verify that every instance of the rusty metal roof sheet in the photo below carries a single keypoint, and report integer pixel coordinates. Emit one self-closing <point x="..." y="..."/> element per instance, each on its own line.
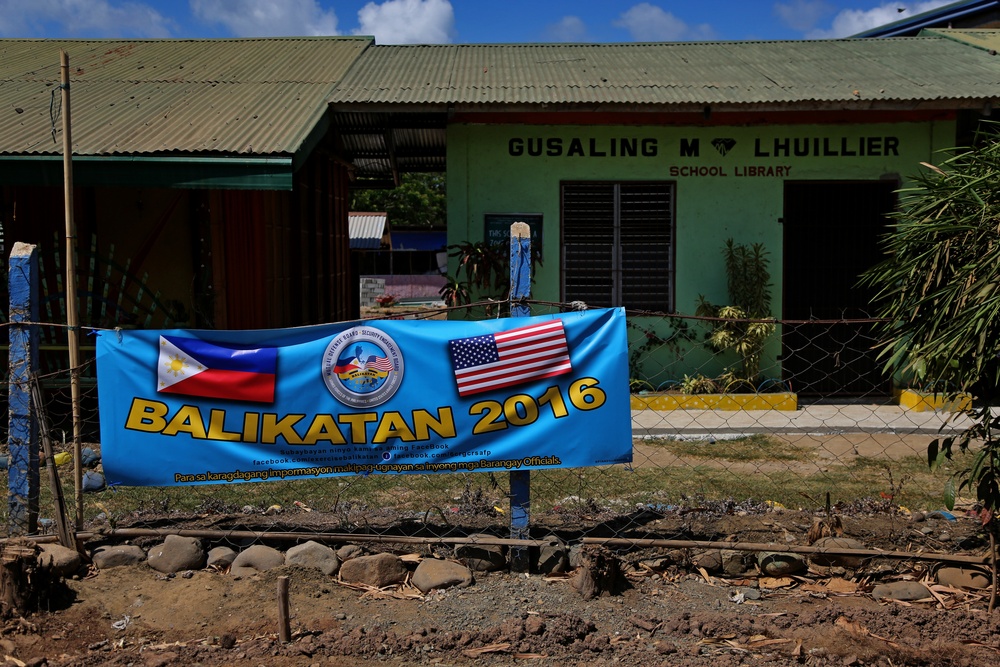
<point x="853" y="73"/>
<point x="246" y="97"/>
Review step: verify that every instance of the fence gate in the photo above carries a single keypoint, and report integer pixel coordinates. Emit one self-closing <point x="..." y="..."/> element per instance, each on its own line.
<point x="831" y="235"/>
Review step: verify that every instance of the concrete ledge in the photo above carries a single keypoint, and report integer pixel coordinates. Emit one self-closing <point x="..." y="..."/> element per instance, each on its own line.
<point x="922" y="401"/>
<point x="730" y="402"/>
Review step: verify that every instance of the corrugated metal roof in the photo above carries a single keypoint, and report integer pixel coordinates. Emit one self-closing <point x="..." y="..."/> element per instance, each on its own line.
<point x="859" y="73"/>
<point x="233" y="96"/>
<point x="988" y="40"/>
<point x="968" y="13"/>
<point x="366" y="229"/>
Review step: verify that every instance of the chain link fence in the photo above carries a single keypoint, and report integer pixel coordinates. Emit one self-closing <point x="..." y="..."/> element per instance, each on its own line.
<point x="808" y="434"/>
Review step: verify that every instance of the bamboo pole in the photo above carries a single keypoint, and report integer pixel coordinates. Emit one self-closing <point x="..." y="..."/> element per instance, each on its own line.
<point x="614" y="542"/>
<point x="72" y="319"/>
<point x="284" y="626"/>
<point x="787" y="548"/>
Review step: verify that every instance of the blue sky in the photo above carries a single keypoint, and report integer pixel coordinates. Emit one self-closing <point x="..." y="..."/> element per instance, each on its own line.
<point x="455" y="21"/>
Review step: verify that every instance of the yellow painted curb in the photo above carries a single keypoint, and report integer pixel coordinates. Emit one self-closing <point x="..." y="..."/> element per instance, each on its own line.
<point x="921" y="401"/>
<point x="730" y="402"/>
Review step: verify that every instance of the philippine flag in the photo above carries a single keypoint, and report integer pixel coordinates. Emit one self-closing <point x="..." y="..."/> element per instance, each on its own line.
<point x="194" y="367"/>
<point x="484" y="363"/>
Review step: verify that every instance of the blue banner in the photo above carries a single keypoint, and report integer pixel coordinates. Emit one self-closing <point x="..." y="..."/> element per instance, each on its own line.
<point x="388" y="396"/>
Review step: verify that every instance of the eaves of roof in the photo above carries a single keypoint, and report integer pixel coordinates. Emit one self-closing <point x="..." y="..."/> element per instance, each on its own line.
<point x="903" y="73"/>
<point x="235" y="97"/>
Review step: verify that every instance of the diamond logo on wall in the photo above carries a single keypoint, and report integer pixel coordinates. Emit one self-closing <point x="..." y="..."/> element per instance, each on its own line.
<point x="723" y="145"/>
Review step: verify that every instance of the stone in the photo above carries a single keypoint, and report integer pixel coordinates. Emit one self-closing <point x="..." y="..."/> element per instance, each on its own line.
<point x="258" y="558"/>
<point x="117" y="556"/>
<point x="710" y="561"/>
<point x="221" y="557"/>
<point x="481" y="557"/>
<point x="534" y="625"/>
<point x="552" y="557"/>
<point x="964" y="577"/>
<point x="378" y="570"/>
<point x="433" y="573"/>
<point x="901" y="590"/>
<point x="61" y="561"/>
<point x="831" y="560"/>
<point x="734" y="563"/>
<point x="349" y="551"/>
<point x="314" y="555"/>
<point x="176" y="554"/>
<point x="776" y="564"/>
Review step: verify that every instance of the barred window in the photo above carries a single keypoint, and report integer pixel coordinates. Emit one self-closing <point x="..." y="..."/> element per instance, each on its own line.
<point x="617" y="241"/>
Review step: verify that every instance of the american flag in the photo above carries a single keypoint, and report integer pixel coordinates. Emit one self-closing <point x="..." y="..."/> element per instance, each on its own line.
<point x="484" y="363"/>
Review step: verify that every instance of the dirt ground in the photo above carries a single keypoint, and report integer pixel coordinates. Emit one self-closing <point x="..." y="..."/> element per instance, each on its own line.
<point x="668" y="612"/>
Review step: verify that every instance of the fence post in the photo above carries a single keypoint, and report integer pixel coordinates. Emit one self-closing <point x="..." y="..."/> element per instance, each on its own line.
<point x="22" y="479"/>
<point x="520" y="480"/>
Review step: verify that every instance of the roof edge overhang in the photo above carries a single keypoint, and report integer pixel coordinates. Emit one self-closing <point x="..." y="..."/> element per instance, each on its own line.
<point x="230" y="172"/>
<point x="846" y="105"/>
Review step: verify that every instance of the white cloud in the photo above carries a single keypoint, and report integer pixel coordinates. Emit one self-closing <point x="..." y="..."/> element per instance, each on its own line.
<point x="802" y="15"/>
<point x="81" y="18"/>
<point x="649" y="23"/>
<point x="567" y="29"/>
<point x="852" y="21"/>
<point x="267" y="18"/>
<point x="408" y="21"/>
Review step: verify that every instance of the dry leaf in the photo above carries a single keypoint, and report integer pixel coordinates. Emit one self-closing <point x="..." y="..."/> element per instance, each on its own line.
<point x="839" y="585"/>
<point x="973" y="642"/>
<point x="492" y="648"/>
<point x="859" y="630"/>
<point x="776" y="582"/>
<point x="758" y="643"/>
<point x="704" y="573"/>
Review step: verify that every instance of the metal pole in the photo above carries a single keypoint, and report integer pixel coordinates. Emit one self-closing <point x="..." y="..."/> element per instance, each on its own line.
<point x="520" y="480"/>
<point x="72" y="319"/>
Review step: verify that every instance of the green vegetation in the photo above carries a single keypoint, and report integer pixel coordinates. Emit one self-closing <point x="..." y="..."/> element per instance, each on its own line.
<point x="740" y="327"/>
<point x="419" y="201"/>
<point x="758" y="468"/>
<point x="939" y="291"/>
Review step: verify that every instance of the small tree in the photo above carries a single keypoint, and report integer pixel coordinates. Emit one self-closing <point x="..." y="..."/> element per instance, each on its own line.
<point x="939" y="292"/>
<point x="739" y="327"/>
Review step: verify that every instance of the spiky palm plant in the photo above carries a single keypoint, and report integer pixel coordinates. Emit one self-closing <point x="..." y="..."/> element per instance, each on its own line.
<point x="939" y="293"/>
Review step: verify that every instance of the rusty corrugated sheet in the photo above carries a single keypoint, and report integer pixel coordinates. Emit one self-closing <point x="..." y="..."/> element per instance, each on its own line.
<point x="230" y="97"/>
<point x="900" y="70"/>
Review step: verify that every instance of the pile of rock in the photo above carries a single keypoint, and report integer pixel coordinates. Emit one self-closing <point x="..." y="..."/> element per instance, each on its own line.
<point x="350" y="564"/>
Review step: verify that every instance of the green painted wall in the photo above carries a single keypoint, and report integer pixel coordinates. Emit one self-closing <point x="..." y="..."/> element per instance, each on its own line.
<point x="490" y="170"/>
<point x="730" y="183"/>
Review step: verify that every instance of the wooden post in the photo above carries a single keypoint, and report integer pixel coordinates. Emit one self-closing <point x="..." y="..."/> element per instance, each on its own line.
<point x="72" y="316"/>
<point x="22" y="478"/>
<point x="67" y="537"/>
<point x="20" y="578"/>
<point x="520" y="480"/>
<point x="284" y="627"/>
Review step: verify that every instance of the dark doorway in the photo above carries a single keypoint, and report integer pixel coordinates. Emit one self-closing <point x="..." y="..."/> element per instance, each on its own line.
<point x="832" y="233"/>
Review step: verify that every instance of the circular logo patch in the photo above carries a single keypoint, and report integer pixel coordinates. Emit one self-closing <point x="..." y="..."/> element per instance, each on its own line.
<point x="362" y="367"/>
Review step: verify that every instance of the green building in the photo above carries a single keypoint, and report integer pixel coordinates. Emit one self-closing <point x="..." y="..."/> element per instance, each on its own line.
<point x="634" y="163"/>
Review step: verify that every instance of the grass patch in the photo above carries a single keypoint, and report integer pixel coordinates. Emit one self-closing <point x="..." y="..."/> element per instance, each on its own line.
<point x="351" y="502"/>
<point x="755" y="447"/>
